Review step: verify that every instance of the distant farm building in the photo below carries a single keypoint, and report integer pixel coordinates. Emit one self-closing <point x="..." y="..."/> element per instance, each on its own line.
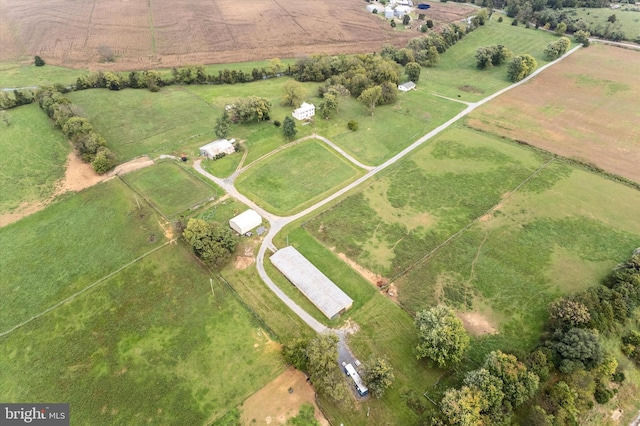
<point x="315" y="285"/>
<point x="405" y="87"/>
<point x="388" y="13"/>
<point x="245" y="221"/>
<point x="400" y="11"/>
<point x="215" y="148"/>
<point x="304" y="112"/>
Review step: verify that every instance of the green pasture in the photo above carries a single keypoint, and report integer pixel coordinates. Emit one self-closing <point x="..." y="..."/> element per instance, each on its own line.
<point x="627" y="20"/>
<point x="15" y="74"/>
<point x="170" y="188"/>
<point x="56" y="252"/>
<point x="151" y="344"/>
<point x="543" y="241"/>
<point x="33" y="156"/>
<point x="136" y="122"/>
<point x="413" y="207"/>
<point x="457" y="76"/>
<point x="296" y="177"/>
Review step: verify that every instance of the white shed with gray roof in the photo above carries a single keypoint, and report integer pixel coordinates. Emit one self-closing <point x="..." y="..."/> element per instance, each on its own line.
<point x="315" y="285"/>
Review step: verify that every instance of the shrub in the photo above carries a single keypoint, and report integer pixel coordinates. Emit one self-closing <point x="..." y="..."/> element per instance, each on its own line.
<point x="582" y="37"/>
<point x="514" y="23"/>
<point x="39" y="61"/>
<point x="352" y="125"/>
<point x="277" y="123"/>
<point x="500" y="19"/>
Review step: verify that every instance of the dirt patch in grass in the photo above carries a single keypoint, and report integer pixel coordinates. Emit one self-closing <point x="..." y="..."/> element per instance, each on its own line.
<point x="577" y="110"/>
<point x="280" y="400"/>
<point x="476" y="323"/>
<point x="375" y="279"/>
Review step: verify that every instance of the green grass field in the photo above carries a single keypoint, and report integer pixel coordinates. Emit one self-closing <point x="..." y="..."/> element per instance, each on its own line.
<point x="151" y="344"/>
<point x="628" y="21"/>
<point x="170" y="188"/>
<point x="136" y="122"/>
<point x="296" y="177"/>
<point x="223" y="167"/>
<point x="13" y="74"/>
<point x="33" y="157"/>
<point x="50" y="255"/>
<point x="456" y="75"/>
<point x="416" y="205"/>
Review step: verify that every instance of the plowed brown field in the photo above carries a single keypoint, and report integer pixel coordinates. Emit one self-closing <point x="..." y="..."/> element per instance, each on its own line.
<point x="156" y="33"/>
<point x="586" y="107"/>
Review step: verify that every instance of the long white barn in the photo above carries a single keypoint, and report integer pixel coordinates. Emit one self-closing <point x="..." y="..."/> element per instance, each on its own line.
<point x="315" y="285"/>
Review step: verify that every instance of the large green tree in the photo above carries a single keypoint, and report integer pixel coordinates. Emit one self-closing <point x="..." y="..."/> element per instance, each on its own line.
<point x="211" y="242"/>
<point x="252" y="108"/>
<point x="370" y="97"/>
<point x="575" y="349"/>
<point x="329" y="105"/>
<point x="293" y="93"/>
<point x="289" y="128"/>
<point x="442" y="337"/>
<point x="521" y="67"/>
<point x="378" y="376"/>
<point x="223" y="124"/>
<point x="518" y="384"/>
<point x="322" y="354"/>
<point x="413" y="69"/>
<point x="462" y="407"/>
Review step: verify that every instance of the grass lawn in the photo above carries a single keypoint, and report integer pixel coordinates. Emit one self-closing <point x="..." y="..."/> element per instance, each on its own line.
<point x="456" y="75"/>
<point x="14" y="74"/>
<point x="50" y="255"/>
<point x="296" y="177"/>
<point x="411" y="208"/>
<point x="151" y="344"/>
<point x="33" y="157"/>
<point x="170" y="188"/>
<point x="223" y="167"/>
<point x="136" y="121"/>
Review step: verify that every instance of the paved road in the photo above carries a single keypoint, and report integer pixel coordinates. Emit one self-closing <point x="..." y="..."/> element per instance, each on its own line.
<point x="277" y="222"/>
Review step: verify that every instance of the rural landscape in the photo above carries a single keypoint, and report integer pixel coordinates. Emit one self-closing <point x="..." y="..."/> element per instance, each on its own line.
<point x="444" y="202"/>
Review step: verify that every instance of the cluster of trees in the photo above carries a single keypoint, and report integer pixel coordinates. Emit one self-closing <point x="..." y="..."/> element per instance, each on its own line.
<point x="491" y="393"/>
<point x="557" y="48"/>
<point x="20" y="97"/>
<point x="319" y="357"/>
<point x="212" y="242"/>
<point x="250" y="109"/>
<point x="521" y="66"/>
<point x="489" y="56"/>
<point x="89" y="143"/>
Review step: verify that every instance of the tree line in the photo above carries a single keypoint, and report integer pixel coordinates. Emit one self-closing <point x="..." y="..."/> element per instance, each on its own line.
<point x="563" y="377"/>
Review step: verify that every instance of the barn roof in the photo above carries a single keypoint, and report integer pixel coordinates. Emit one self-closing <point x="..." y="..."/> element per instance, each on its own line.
<point x="319" y="289"/>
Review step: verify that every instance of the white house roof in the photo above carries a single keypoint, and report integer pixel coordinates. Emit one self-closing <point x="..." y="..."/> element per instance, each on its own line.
<point x="216" y="147"/>
<point x="315" y="285"/>
<point x="407" y="86"/>
<point x="245" y="221"/>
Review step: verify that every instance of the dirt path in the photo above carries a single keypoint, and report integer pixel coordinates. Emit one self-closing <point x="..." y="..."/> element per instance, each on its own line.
<point x="78" y="175"/>
<point x="280" y="400"/>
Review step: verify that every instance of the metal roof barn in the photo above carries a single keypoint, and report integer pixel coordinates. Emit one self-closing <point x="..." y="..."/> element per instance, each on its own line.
<point x="245" y="221"/>
<point x="315" y="285"/>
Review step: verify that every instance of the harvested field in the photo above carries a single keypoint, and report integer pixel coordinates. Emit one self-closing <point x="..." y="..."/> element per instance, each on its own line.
<point x="577" y="110"/>
<point x="144" y="34"/>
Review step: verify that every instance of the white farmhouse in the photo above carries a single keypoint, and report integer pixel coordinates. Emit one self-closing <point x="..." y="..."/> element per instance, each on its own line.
<point x="218" y="147"/>
<point x="304" y="112"/>
<point x="245" y="221"/>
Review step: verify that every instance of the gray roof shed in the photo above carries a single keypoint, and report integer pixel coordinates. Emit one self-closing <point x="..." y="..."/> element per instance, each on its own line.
<point x="315" y="285"/>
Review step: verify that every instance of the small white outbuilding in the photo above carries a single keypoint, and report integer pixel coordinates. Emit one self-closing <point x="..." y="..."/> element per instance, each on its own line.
<point x="400" y="11"/>
<point x="304" y="112"/>
<point x="388" y="13"/>
<point x="245" y="221"/>
<point x="218" y="147"/>
<point x="405" y="87"/>
<point x="372" y="7"/>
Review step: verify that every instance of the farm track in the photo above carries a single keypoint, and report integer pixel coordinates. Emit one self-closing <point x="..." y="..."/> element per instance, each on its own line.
<point x="277" y="223"/>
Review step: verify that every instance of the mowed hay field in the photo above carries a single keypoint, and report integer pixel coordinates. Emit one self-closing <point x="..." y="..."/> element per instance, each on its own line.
<point x="586" y="107"/>
<point x="143" y="33"/>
